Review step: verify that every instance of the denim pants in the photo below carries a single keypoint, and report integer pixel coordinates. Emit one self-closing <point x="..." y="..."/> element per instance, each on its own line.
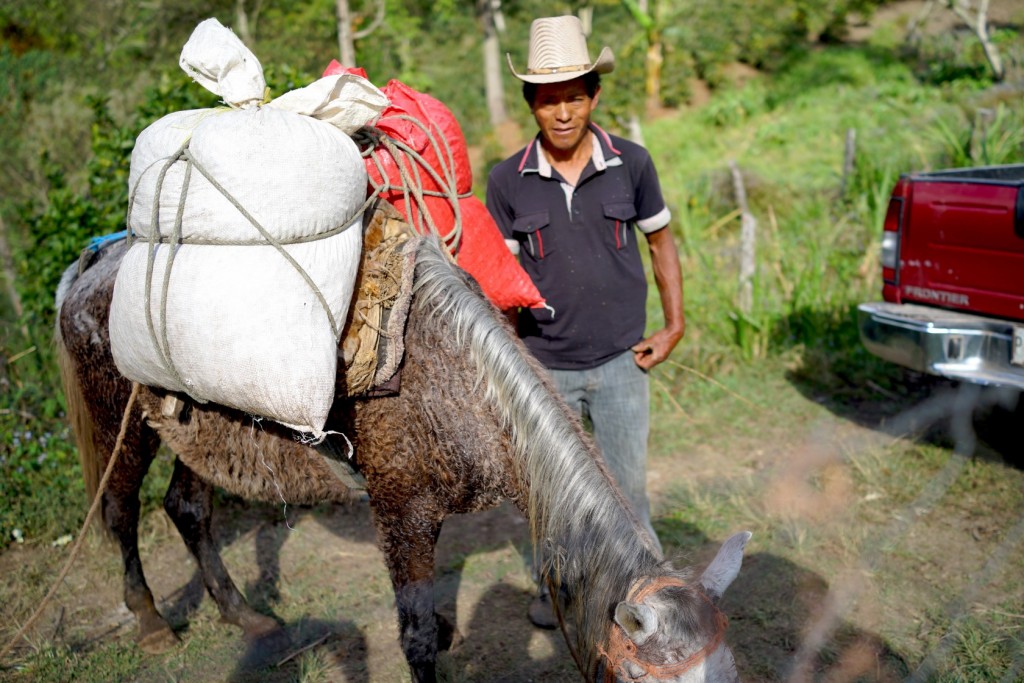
<point x="615" y="399"/>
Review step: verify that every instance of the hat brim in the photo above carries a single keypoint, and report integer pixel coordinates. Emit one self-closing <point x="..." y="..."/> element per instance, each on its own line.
<point x="605" y="63"/>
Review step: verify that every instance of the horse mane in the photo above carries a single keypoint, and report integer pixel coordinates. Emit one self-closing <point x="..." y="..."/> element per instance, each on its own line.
<point x="579" y="520"/>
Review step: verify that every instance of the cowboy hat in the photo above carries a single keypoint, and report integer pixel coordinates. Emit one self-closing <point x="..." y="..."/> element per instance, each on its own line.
<point x="558" y="52"/>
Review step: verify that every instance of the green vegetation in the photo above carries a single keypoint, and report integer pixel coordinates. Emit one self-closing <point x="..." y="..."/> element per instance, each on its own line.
<point x="785" y="129"/>
<point x="818" y="231"/>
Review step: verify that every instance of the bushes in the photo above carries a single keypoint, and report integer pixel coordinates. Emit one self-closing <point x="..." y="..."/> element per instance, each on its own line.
<point x="986" y="136"/>
<point x="805" y="73"/>
<point x="28" y="77"/>
<point x="40" y="484"/>
<point x="817" y="247"/>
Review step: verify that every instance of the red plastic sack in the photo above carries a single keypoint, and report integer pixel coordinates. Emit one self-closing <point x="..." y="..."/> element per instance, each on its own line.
<point x="484" y="251"/>
<point x="430" y="130"/>
<point x="420" y="123"/>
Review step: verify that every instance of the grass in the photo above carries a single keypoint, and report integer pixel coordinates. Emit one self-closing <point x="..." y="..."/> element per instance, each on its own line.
<point x="876" y="525"/>
<point x="103" y="663"/>
<point x="817" y="250"/>
<point x="909" y="581"/>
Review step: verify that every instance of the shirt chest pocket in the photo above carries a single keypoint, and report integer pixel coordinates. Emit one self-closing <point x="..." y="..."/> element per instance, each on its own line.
<point x="620" y="217"/>
<point x="531" y="231"/>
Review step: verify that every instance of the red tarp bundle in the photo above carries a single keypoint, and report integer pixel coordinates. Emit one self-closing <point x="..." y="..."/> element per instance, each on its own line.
<point x="429" y="128"/>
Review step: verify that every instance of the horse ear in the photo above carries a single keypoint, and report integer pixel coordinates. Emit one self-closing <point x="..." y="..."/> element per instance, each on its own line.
<point x="638" y="620"/>
<point x="725" y="567"/>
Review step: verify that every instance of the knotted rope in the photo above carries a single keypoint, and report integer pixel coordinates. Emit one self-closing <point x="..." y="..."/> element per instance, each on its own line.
<point x="413" y="168"/>
<point x="622" y="649"/>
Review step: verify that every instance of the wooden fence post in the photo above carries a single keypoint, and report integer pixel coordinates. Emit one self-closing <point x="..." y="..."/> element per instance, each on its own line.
<point x="849" y="156"/>
<point x="8" y="270"/>
<point x="748" y="237"/>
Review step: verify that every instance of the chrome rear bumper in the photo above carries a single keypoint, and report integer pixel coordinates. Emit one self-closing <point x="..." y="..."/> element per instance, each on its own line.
<point x="960" y="346"/>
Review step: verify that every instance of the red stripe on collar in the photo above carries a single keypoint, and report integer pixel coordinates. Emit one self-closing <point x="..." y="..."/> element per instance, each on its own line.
<point x="607" y="138"/>
<point x="526" y="155"/>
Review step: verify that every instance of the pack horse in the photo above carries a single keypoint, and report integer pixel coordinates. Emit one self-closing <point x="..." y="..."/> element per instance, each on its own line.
<point x="475" y="422"/>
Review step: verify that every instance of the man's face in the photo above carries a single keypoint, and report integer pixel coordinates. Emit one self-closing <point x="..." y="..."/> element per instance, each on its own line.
<point x="562" y="111"/>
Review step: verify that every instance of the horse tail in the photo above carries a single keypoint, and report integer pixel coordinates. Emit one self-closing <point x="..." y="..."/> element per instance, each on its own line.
<point x="82" y="425"/>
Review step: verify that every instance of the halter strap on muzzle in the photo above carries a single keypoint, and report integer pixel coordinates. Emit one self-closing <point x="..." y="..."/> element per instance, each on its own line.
<point x="621" y="649"/>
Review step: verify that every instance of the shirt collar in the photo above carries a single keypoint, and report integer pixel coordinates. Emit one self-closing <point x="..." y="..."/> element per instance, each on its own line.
<point x="603" y="155"/>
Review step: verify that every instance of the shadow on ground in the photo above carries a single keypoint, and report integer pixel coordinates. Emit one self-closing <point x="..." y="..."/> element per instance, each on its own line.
<point x="780" y="626"/>
<point x="277" y="657"/>
<point x="497" y="642"/>
<point x="777" y="624"/>
<point x="839" y="374"/>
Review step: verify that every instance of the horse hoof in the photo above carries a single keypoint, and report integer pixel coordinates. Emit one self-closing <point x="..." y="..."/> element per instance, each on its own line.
<point x="158" y="642"/>
<point x="265" y="590"/>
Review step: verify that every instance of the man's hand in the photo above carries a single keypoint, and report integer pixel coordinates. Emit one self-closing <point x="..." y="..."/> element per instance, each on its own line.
<point x="655" y="348"/>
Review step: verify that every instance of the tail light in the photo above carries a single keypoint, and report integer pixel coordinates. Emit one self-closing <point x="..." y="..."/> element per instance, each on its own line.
<point x="891" y="240"/>
<point x="890" y="249"/>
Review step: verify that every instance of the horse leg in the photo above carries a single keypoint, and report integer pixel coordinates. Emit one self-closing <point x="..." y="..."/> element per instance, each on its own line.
<point x="407" y="540"/>
<point x="189" y="503"/>
<point x="121" y="517"/>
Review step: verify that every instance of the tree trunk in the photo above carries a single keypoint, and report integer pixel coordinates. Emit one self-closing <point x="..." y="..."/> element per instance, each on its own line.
<point x="378" y="19"/>
<point x="978" y="23"/>
<point x="991" y="51"/>
<point x="849" y="159"/>
<point x="8" y="274"/>
<point x="346" y="42"/>
<point x="634" y="131"/>
<point x="490" y="19"/>
<point x="914" y="26"/>
<point x="644" y="14"/>
<point x="245" y="21"/>
<point x="652" y="79"/>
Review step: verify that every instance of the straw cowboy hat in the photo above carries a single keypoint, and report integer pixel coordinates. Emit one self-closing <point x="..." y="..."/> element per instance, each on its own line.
<point x="558" y="52"/>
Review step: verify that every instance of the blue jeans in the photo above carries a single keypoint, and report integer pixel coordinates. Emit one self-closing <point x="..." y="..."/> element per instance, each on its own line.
<point x="615" y="397"/>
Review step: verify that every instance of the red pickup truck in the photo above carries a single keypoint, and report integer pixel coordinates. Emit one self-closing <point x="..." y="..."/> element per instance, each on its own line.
<point x="953" y="276"/>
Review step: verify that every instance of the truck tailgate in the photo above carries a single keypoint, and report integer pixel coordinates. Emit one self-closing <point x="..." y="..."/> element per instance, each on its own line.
<point x="961" y="248"/>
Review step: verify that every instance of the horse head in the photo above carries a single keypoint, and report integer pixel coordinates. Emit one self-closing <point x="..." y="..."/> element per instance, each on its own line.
<point x="671" y="631"/>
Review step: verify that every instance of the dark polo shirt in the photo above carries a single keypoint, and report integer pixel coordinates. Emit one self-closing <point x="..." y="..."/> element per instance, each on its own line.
<point x="579" y="246"/>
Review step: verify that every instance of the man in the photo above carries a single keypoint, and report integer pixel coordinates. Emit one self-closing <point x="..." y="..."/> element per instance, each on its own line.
<point x="570" y="204"/>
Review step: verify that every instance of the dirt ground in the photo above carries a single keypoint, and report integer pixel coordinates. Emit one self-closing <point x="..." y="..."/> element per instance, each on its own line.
<point x="831" y="588"/>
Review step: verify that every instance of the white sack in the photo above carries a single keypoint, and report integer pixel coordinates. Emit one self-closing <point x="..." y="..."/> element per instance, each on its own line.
<point x="221" y="63"/>
<point x="346" y="101"/>
<point x="296" y="175"/>
<point x="244" y="329"/>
